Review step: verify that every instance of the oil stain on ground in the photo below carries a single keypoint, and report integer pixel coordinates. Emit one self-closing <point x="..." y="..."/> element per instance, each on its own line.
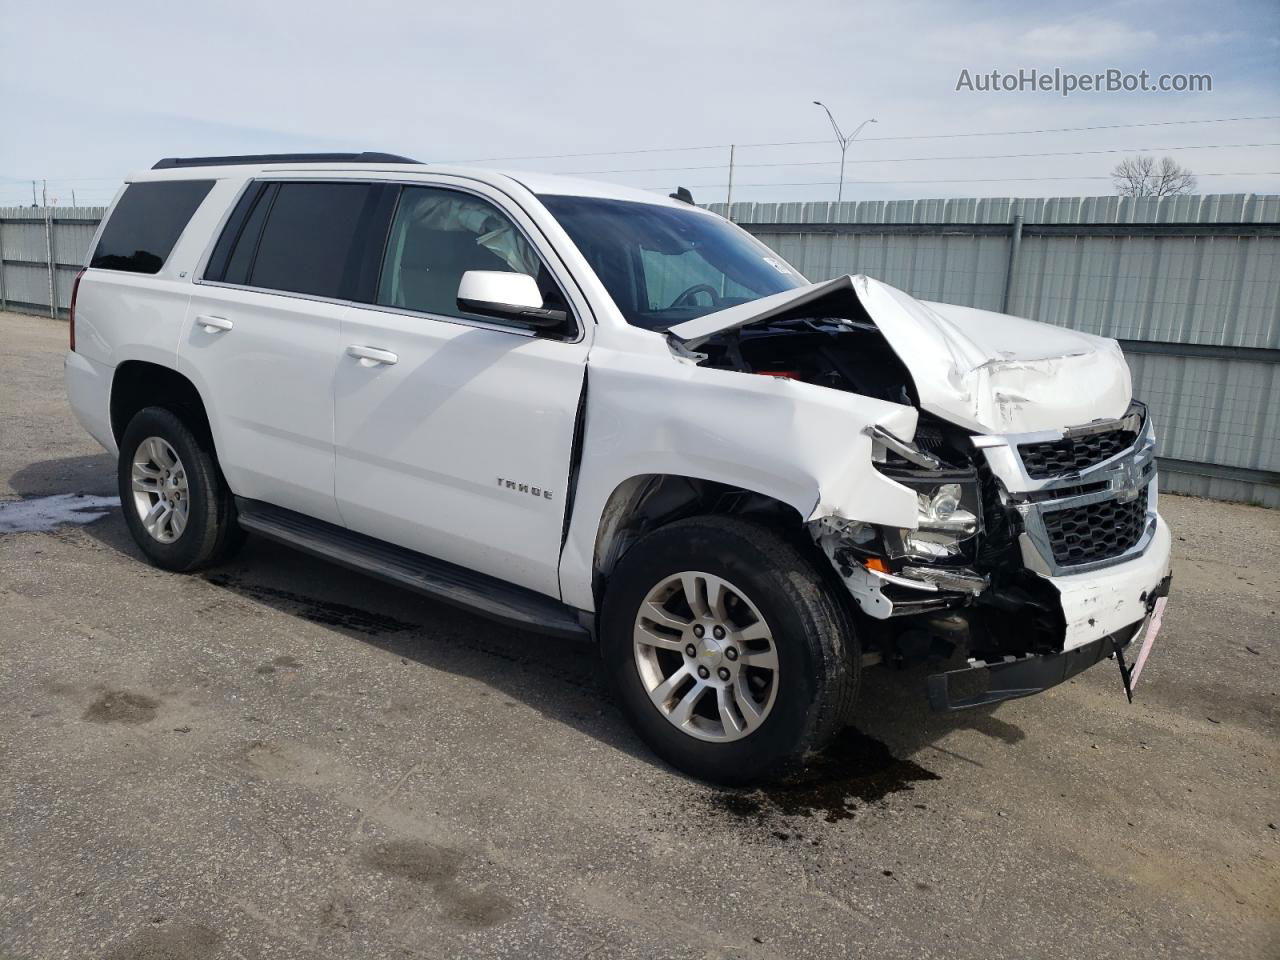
<point x="121" y="706"/>
<point x="286" y="662"/>
<point x="170" y="941"/>
<point x="437" y="868"/>
<point x="855" y="769"/>
<point x="323" y="612"/>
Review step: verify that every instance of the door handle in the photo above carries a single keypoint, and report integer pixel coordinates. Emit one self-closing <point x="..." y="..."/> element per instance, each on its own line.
<point x="214" y="324"/>
<point x="371" y="356"/>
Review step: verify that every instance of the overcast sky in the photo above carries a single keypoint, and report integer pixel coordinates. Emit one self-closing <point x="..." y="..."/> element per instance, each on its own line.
<point x="92" y="91"/>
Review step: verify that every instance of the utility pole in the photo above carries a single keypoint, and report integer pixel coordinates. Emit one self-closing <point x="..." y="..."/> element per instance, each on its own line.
<point x="33" y="194"/>
<point x="843" y="141"/>
<point x="728" y="199"/>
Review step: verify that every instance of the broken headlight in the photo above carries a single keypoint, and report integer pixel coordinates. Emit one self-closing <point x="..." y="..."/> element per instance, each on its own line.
<point x="948" y="515"/>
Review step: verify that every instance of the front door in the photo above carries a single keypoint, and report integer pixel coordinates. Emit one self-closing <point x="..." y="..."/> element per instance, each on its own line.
<point x="454" y="434"/>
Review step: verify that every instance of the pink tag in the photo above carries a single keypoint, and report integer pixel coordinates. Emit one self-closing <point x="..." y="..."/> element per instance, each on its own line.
<point x="1149" y="637"/>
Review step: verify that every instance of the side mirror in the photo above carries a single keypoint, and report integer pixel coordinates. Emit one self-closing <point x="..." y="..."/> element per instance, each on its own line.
<point x="507" y="296"/>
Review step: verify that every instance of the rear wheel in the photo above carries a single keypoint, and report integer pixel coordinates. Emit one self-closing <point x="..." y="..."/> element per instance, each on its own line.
<point x="725" y="650"/>
<point x="176" y="503"/>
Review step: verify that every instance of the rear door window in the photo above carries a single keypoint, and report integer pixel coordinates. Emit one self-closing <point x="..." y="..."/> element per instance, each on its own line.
<point x="146" y="223"/>
<point x="240" y="260"/>
<point x="245" y="220"/>
<point x="309" y="241"/>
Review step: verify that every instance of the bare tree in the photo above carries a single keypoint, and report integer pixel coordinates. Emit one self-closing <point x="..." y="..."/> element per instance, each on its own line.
<point x="1142" y="176"/>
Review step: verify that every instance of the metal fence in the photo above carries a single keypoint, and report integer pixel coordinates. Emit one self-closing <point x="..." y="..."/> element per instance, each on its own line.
<point x="1189" y="286"/>
<point x="41" y="248"/>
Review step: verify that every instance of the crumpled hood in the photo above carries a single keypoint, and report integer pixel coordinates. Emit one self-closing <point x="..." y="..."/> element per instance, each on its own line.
<point x="986" y="371"/>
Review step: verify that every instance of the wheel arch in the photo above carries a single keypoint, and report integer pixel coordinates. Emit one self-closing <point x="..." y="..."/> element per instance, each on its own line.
<point x="647" y="502"/>
<point x="137" y="384"/>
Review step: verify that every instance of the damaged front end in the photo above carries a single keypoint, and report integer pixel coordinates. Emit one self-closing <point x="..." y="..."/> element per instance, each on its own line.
<point x="1034" y="556"/>
<point x="953" y="583"/>
<point x="1036" y="549"/>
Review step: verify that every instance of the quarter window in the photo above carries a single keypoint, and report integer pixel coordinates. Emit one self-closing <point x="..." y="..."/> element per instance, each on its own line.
<point x="146" y="224"/>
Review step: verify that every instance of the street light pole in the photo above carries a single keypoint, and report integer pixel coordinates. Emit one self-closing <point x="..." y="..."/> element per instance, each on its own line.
<point x="843" y="141"/>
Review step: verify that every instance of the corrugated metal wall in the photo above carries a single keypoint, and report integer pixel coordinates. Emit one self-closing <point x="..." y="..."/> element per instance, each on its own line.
<point x="27" y="234"/>
<point x="1190" y="286"/>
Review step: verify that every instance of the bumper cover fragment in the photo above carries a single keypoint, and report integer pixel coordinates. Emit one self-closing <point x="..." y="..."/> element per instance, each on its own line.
<point x="984" y="683"/>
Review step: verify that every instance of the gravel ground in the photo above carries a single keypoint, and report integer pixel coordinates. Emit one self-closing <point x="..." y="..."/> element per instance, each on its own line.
<point x="283" y="759"/>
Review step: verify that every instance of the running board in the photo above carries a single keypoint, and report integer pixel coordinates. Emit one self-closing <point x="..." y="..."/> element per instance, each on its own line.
<point x="447" y="582"/>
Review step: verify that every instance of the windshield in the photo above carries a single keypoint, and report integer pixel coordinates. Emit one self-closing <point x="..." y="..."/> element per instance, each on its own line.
<point x="663" y="265"/>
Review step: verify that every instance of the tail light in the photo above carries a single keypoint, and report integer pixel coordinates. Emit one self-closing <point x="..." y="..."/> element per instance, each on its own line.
<point x="71" y="314"/>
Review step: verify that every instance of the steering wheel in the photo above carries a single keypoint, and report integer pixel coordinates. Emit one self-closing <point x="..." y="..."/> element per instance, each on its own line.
<point x="693" y="291"/>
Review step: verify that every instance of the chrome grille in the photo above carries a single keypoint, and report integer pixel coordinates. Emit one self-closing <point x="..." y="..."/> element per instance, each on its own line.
<point x="1072" y="454"/>
<point x="1084" y="497"/>
<point x="1097" y="531"/>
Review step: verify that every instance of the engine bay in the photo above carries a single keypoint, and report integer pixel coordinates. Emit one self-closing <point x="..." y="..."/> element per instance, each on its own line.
<point x="836" y="345"/>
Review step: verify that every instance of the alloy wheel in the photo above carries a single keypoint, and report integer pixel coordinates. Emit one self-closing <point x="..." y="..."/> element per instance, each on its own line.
<point x="706" y="656"/>
<point x="160" y="493"/>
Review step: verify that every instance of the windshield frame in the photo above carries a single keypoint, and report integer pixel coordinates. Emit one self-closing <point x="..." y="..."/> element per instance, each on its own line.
<point x="623" y="240"/>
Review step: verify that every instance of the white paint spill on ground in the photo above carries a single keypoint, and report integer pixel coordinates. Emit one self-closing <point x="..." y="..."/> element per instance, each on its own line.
<point x="41" y="514"/>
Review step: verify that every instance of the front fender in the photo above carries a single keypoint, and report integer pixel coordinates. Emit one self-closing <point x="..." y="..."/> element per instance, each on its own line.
<point x="797" y="443"/>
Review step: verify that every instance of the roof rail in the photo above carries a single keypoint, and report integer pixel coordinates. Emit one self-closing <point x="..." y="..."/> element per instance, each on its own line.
<point x="168" y="163"/>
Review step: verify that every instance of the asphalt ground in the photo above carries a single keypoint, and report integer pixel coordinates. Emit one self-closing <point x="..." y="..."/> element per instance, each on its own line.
<point x="280" y="758"/>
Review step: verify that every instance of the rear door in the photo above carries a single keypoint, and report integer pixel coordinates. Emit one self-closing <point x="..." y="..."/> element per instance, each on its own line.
<point x="264" y="335"/>
<point x="458" y="442"/>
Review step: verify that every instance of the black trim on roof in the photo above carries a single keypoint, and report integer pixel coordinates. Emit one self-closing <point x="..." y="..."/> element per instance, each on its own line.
<point x="169" y="163"/>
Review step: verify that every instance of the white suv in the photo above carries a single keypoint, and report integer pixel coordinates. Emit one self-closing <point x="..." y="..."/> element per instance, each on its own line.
<point x="591" y="411"/>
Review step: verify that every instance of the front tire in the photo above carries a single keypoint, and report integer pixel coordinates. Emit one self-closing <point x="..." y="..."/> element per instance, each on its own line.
<point x="175" y="501"/>
<point x="725" y="650"/>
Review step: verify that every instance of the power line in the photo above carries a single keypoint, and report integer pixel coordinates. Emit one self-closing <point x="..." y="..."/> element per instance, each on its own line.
<point x="990" y="156"/>
<point x="61" y="179"/>
<point x="922" y="136"/>
<point x="832" y="183"/>
<point x="1104" y="126"/>
<point x="793" y="143"/>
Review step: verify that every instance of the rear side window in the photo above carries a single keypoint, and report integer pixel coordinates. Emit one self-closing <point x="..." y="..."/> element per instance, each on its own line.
<point x="246" y="242"/>
<point x="252" y="204"/>
<point x="308" y="243"/>
<point x="146" y="223"/>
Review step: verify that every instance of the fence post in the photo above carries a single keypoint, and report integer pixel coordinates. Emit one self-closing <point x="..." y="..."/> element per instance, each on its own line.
<point x="1015" y="241"/>
<point x="4" y="299"/>
<point x="48" y="246"/>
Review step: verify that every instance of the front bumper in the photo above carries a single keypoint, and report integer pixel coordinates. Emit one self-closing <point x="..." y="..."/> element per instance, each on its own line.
<point x="1105" y="601"/>
<point x="1073" y="552"/>
<point x="1099" y="603"/>
<point x="985" y="683"/>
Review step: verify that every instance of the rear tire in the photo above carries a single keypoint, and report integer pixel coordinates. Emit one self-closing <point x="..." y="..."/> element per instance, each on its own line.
<point x="786" y="709"/>
<point x="176" y="502"/>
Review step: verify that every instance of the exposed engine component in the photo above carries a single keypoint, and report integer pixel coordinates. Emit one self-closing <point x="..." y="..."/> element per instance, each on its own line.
<point x="840" y="347"/>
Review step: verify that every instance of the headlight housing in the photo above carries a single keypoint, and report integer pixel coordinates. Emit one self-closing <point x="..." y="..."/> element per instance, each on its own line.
<point x="949" y="517"/>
